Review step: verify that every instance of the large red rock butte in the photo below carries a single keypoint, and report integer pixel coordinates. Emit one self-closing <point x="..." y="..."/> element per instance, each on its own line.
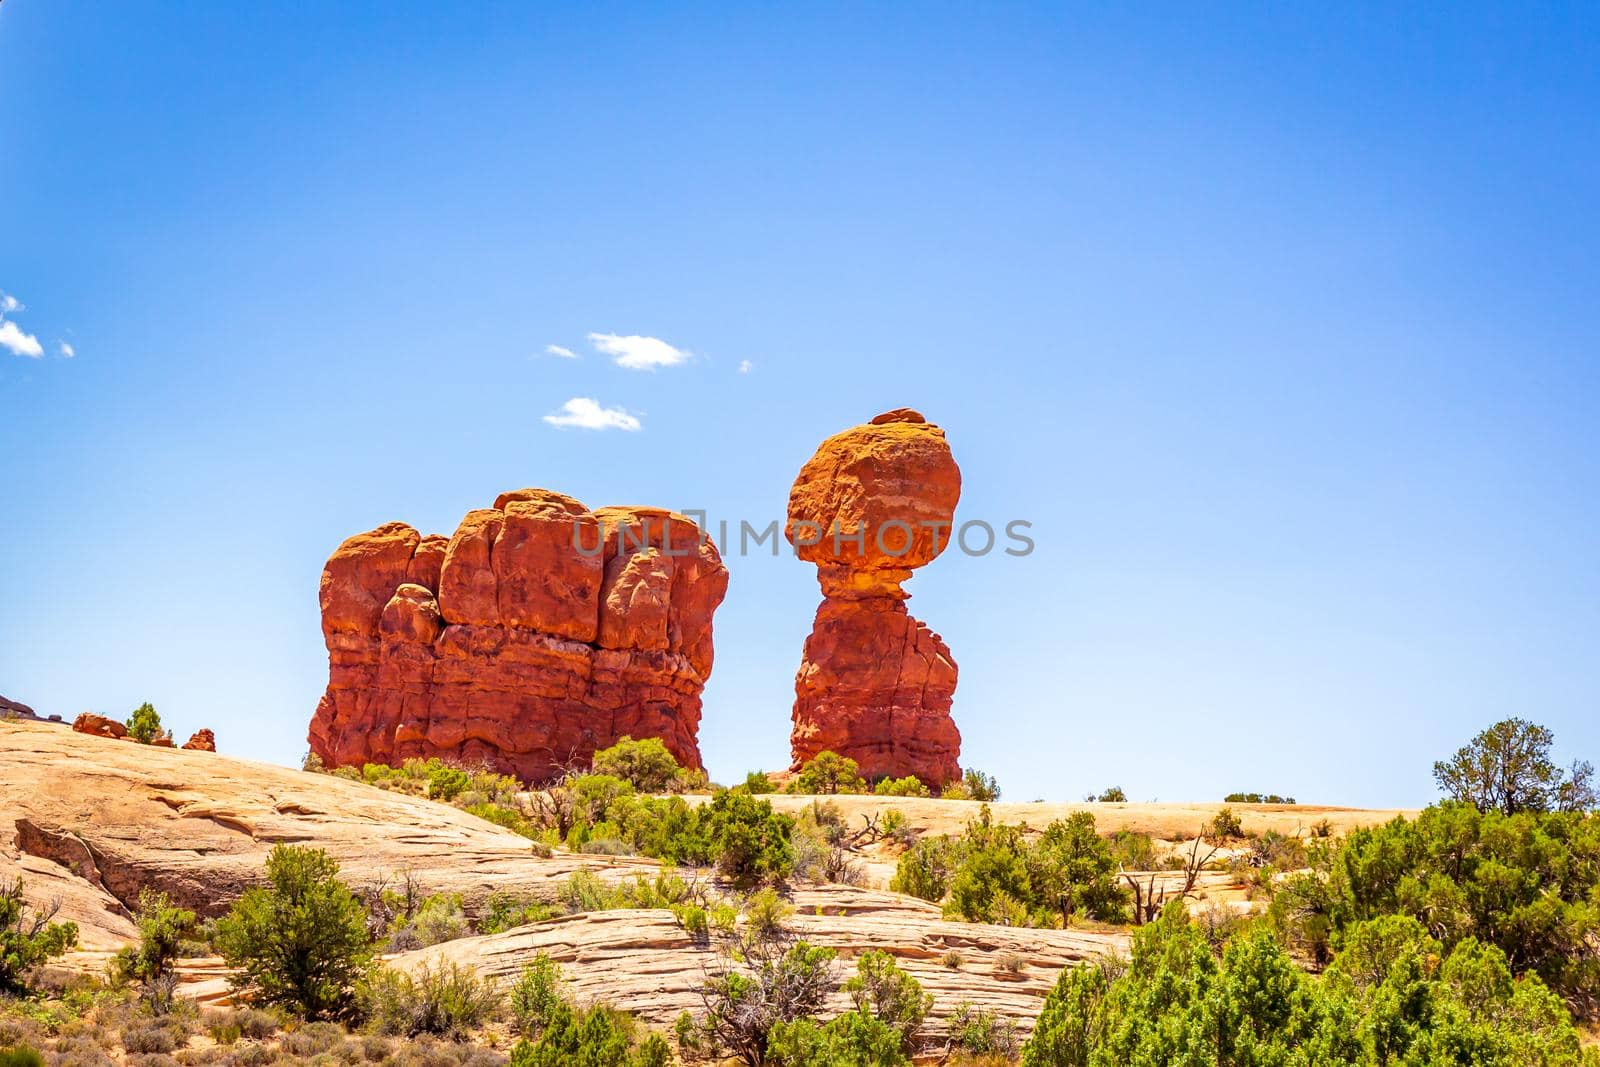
<point x="875" y="684"/>
<point x="536" y="634"/>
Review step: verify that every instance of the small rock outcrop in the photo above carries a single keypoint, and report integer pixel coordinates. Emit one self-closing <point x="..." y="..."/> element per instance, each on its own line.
<point x="539" y="632"/>
<point x="875" y="684"/>
<point x="99" y="726"/>
<point x="201" y="741"/>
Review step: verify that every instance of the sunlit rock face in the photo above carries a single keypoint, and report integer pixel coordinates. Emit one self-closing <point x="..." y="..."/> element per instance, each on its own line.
<point x="539" y="632"/>
<point x="875" y="684"/>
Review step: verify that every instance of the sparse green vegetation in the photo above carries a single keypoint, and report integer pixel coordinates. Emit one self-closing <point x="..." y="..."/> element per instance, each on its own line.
<point x="441" y="998"/>
<point x="150" y="962"/>
<point x="27" y="937"/>
<point x="908" y="786"/>
<point x="300" y="942"/>
<point x="1527" y="884"/>
<point x="144" y="725"/>
<point x="993" y="874"/>
<point x="974" y="785"/>
<point x="1394" y="996"/>
<point x="828" y="772"/>
<point x="539" y="990"/>
<point x="1507" y="768"/>
<point x="1225" y="826"/>
<point x="645" y="764"/>
<point x="1256" y="798"/>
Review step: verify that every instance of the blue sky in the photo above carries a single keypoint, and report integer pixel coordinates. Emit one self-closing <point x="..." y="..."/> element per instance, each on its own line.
<point x="1279" y="325"/>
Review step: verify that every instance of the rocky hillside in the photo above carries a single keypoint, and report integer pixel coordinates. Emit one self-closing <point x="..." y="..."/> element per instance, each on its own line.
<point x="90" y="821"/>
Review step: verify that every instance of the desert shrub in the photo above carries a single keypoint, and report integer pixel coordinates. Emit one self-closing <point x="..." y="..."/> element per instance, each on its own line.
<point x="244" y="1022"/>
<point x="1507" y="768"/>
<point x="1012" y="963"/>
<point x="1391" y="998"/>
<point x="27" y="937"/>
<point x="980" y="786"/>
<point x="144" y="725"/>
<point x="749" y="840"/>
<point x="439" y="918"/>
<point x="645" y="764"/>
<point x="909" y="786"/>
<point x="442" y="997"/>
<point x="445" y="782"/>
<point x="854" y="1039"/>
<point x="952" y="960"/>
<point x="822" y="851"/>
<point x="1133" y="851"/>
<point x="883" y="991"/>
<point x="148" y="1039"/>
<point x="301" y="941"/>
<point x="1279" y="851"/>
<point x="1225" y="826"/>
<point x="895" y="828"/>
<point x="974" y="1032"/>
<point x="307" y="1042"/>
<point x="926" y="868"/>
<point x="1529" y="884"/>
<point x="600" y="1036"/>
<point x="757" y="783"/>
<point x="503" y="816"/>
<point x="539" y="990"/>
<point x="991" y="883"/>
<point x="150" y="962"/>
<point x="1114" y="795"/>
<point x="21" y="1056"/>
<point x="1071" y="869"/>
<point x="583" y="890"/>
<point x="992" y="874"/>
<point x="1256" y="798"/>
<point x="772" y="985"/>
<point x="504" y="912"/>
<point x="694" y="920"/>
<point x="828" y="772"/>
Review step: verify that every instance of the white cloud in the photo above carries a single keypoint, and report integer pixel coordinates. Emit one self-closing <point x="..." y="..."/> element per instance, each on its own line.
<point x="587" y="414"/>
<point x="9" y="303"/>
<point x="557" y="350"/>
<point x="66" y="350"/>
<point x="744" y="366"/>
<point x="21" y="344"/>
<point x="639" y="353"/>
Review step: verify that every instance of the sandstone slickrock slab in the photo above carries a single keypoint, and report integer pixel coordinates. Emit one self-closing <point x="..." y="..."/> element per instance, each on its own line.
<point x="91" y="821"/>
<point x="538" y="633"/>
<point x="641" y="960"/>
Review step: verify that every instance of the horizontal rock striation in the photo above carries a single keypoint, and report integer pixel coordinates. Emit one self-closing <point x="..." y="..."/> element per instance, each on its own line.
<point x="536" y="634"/>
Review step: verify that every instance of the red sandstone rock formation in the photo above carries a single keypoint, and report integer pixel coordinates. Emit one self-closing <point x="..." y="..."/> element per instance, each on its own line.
<point x="538" y="633"/>
<point x="99" y="726"/>
<point x="875" y="684"/>
<point x="202" y="741"/>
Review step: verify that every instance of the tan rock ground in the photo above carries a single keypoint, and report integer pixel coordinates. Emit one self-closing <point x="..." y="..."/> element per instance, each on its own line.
<point x="644" y="961"/>
<point x="1169" y="822"/>
<point x="89" y="821"/>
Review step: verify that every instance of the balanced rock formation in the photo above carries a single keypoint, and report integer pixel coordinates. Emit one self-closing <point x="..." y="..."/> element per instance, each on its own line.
<point x="875" y="684"/>
<point x="538" y="633"/>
